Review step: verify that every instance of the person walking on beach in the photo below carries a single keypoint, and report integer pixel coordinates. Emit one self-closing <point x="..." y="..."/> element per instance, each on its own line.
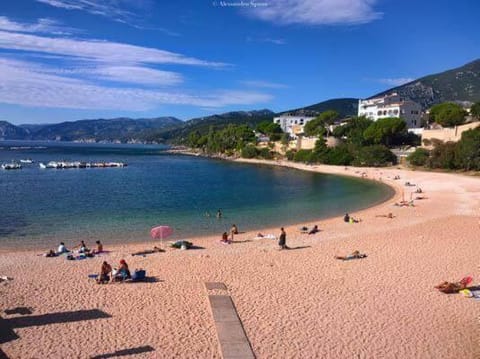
<point x="219" y="214"/>
<point x="282" y="242"/>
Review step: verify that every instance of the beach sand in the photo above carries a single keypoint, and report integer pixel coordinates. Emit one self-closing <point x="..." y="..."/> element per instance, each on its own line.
<point x="298" y="303"/>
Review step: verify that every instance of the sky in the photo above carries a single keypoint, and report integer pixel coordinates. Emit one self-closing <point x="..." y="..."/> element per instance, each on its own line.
<point x="65" y="60"/>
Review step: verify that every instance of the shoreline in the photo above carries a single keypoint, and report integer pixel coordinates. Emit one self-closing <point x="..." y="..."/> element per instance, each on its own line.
<point x="345" y="171"/>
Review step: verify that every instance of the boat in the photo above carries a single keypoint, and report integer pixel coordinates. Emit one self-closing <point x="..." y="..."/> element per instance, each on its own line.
<point x="11" y="166"/>
<point x="28" y="160"/>
<point x="78" y="164"/>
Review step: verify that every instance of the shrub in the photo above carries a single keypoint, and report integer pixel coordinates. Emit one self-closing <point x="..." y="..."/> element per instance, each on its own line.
<point x="265" y="153"/>
<point x="303" y="156"/>
<point x="448" y="114"/>
<point x="376" y="156"/>
<point x="249" y="151"/>
<point x="419" y="157"/>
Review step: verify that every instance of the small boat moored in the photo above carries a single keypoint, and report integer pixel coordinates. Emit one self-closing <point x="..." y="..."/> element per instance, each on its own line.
<point x="11" y="166"/>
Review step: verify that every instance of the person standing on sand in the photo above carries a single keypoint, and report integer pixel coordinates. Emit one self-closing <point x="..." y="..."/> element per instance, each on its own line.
<point x="282" y="242"/>
<point x="219" y="214"/>
<point x="233" y="231"/>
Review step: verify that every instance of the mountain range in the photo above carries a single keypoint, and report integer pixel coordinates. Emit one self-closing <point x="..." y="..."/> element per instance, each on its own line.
<point x="461" y="84"/>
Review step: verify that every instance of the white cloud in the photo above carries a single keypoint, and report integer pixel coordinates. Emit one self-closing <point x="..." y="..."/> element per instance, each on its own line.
<point x="96" y="50"/>
<point x="264" y="84"/>
<point x="395" y="81"/>
<point x="116" y="73"/>
<point x="63" y="72"/>
<point x="268" y="40"/>
<point x="41" y="26"/>
<point x="112" y="9"/>
<point x="28" y="84"/>
<point x="108" y="8"/>
<point x="317" y="12"/>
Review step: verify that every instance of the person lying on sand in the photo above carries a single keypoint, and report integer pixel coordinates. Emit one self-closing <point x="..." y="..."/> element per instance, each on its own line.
<point x="51" y="253"/>
<point x="454" y="287"/>
<point x="314" y="230"/>
<point x="148" y="251"/>
<point x="390" y="215"/>
<point x="104" y="273"/>
<point x="354" y="255"/>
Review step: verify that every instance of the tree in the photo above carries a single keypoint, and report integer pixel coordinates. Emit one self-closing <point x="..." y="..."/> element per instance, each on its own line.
<point x="376" y="155"/>
<point x="386" y="131"/>
<point x="419" y="157"/>
<point x="352" y="132"/>
<point x="448" y="114"/>
<point x="329" y="117"/>
<point x="467" y="150"/>
<point x="315" y="127"/>
<point x="475" y="110"/>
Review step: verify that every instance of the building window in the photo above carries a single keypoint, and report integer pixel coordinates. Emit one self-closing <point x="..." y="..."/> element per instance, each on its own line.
<point x="395" y="112"/>
<point x="385" y="113"/>
<point x="379" y="113"/>
<point x="389" y="112"/>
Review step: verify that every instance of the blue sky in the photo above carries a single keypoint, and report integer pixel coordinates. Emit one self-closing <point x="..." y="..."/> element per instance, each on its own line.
<point x="63" y="60"/>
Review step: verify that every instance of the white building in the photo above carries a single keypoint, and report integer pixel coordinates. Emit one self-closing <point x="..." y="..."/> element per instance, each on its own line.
<point x="391" y="105"/>
<point x="293" y="125"/>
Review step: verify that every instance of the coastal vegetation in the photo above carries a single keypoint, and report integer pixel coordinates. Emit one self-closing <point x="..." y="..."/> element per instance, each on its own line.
<point x="461" y="155"/>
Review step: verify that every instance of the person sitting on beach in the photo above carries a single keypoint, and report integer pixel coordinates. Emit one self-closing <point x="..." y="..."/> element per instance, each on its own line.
<point x="62" y="249"/>
<point x="314" y="230"/>
<point x="354" y="255"/>
<point x="104" y="273"/>
<point x="123" y="272"/>
<point x="99" y="248"/>
<point x="225" y="239"/>
<point x="346" y="218"/>
<point x="454" y="287"/>
<point x="418" y="190"/>
<point x="82" y="247"/>
<point x="354" y="220"/>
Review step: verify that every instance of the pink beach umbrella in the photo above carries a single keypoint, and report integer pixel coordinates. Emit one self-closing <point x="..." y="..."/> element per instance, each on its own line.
<point x="161" y="232"/>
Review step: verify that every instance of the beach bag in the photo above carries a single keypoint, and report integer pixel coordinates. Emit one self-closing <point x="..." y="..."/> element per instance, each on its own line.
<point x="139" y="274"/>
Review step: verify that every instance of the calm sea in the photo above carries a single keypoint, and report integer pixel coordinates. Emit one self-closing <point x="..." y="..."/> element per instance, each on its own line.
<point x="39" y="207"/>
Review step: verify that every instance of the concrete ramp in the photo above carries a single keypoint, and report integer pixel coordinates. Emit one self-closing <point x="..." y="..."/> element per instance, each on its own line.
<point x="234" y="343"/>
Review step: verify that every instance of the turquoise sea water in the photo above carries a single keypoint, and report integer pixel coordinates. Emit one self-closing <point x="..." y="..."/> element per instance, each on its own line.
<point x="39" y="207"/>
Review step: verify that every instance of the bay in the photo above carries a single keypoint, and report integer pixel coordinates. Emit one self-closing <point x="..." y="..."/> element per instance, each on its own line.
<point x="40" y="207"/>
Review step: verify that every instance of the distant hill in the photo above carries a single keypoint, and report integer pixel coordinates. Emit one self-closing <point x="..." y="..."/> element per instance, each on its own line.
<point x="344" y="106"/>
<point x="117" y="129"/>
<point x="460" y="84"/>
<point x="12" y="132"/>
<point x="203" y="124"/>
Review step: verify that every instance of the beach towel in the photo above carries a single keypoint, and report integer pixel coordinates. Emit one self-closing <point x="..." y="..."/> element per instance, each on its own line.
<point x="93" y="276"/>
<point x="267" y="236"/>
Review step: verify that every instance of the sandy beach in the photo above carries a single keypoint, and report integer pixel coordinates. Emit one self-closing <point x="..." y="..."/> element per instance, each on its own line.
<point x="298" y="303"/>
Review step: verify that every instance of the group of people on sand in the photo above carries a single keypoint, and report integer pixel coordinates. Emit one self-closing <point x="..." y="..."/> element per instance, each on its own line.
<point x="349" y="219"/>
<point x="109" y="274"/>
<point x="80" y="248"/>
